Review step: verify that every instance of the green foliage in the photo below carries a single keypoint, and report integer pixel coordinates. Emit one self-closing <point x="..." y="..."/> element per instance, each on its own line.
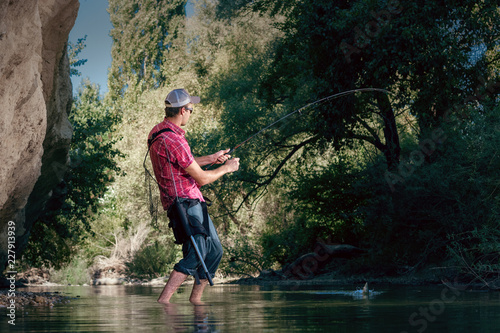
<point x="447" y="209"/>
<point x="319" y="175"/>
<point x="327" y="202"/>
<point x="75" y="273"/>
<point x="73" y="52"/>
<point x="242" y="256"/>
<point x="330" y="200"/>
<point x="444" y="202"/>
<point x="311" y="59"/>
<point x="51" y="241"/>
<point x="92" y="168"/>
<point x="144" y="33"/>
<point x="93" y="154"/>
<point x="153" y="260"/>
<point x="282" y="243"/>
<point x="476" y="253"/>
<point x="330" y="47"/>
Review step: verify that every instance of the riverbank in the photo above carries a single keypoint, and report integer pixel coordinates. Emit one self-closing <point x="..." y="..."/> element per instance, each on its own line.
<point x="336" y="279"/>
<point x="266" y="277"/>
<point x="25" y="298"/>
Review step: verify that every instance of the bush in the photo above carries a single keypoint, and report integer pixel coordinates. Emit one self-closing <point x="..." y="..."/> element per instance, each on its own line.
<point x="290" y="242"/>
<point x="75" y="273"/>
<point x="325" y="200"/>
<point x="242" y="255"/>
<point x="153" y="260"/>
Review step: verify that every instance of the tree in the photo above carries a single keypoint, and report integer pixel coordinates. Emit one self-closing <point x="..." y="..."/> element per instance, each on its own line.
<point x="419" y="51"/>
<point x="144" y="32"/>
<point x="93" y="153"/>
<point x="431" y="57"/>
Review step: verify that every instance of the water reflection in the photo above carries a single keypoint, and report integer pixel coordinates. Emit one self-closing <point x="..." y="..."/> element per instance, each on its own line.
<point x="201" y="320"/>
<point x="236" y="308"/>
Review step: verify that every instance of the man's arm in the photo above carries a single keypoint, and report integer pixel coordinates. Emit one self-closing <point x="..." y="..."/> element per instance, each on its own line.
<point x="204" y="177"/>
<point x="219" y="158"/>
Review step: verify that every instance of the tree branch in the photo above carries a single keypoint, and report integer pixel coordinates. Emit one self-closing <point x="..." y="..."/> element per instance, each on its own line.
<point x="376" y="139"/>
<point x="278" y="169"/>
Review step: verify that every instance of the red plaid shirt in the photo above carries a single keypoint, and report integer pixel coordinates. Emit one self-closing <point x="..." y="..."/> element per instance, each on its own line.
<point x="173" y="145"/>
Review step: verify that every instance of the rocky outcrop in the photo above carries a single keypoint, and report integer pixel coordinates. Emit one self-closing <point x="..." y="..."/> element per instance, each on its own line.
<point x="35" y="100"/>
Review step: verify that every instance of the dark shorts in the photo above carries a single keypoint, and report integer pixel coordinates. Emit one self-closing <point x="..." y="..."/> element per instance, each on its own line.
<point x="209" y="246"/>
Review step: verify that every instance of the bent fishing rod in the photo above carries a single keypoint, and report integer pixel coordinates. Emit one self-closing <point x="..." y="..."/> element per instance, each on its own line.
<point x="319" y="101"/>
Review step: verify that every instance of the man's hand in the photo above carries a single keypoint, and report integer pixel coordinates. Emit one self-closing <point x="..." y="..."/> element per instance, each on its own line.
<point x="220" y="157"/>
<point x="233" y="164"/>
<point x="204" y="177"/>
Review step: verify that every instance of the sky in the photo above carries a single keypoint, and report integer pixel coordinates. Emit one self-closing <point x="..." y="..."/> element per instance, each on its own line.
<point x="93" y="21"/>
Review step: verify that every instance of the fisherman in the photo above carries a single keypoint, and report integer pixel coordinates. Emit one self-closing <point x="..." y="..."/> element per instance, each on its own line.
<point x="179" y="175"/>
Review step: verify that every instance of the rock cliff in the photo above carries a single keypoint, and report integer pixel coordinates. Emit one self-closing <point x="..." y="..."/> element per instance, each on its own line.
<point x="35" y="100"/>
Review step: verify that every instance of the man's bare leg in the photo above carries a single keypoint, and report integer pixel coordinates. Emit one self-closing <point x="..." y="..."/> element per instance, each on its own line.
<point x="174" y="281"/>
<point x="197" y="292"/>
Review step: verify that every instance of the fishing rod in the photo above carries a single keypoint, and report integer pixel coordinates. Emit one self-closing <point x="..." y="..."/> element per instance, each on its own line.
<point x="319" y="101"/>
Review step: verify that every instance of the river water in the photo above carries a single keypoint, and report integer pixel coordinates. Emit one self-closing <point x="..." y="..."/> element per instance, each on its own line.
<point x="241" y="308"/>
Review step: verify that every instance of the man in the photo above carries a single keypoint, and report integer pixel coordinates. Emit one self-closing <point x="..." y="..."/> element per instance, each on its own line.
<point x="179" y="174"/>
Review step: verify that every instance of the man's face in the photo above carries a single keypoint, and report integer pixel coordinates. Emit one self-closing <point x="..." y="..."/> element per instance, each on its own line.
<point x="186" y="113"/>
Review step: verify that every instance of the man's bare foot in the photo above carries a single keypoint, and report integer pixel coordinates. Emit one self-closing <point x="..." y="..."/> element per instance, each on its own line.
<point x="197" y="302"/>
<point x="164" y="302"/>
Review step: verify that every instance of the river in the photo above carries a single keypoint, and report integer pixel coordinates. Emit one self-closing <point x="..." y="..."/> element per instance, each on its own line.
<point x="242" y="308"/>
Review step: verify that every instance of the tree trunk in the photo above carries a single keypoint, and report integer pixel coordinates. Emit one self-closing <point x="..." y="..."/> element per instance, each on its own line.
<point x="392" y="149"/>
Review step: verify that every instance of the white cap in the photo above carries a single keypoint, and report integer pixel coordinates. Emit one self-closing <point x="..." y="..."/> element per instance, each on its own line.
<point x="180" y="97"/>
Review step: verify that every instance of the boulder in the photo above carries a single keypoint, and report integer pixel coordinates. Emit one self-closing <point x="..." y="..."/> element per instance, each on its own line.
<point x="35" y="100"/>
